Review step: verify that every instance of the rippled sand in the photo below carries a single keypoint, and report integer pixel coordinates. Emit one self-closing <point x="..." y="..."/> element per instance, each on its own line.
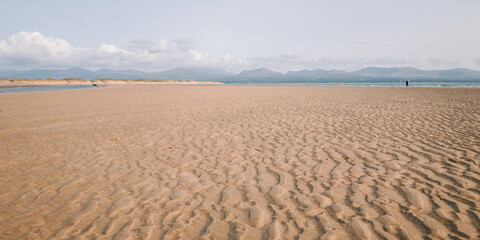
<point x="225" y="162"/>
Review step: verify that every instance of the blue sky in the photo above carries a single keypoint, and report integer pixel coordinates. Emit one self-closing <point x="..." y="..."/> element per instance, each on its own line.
<point x="239" y="35"/>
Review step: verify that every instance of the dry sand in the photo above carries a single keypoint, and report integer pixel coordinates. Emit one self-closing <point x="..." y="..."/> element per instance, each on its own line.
<point x="224" y="162"/>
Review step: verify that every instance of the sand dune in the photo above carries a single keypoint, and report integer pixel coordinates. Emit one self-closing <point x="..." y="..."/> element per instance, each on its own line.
<point x="222" y="162"/>
<point x="81" y="82"/>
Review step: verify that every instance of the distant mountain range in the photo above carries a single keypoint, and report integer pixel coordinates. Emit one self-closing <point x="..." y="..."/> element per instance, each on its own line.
<point x="171" y="74"/>
<point x="261" y="75"/>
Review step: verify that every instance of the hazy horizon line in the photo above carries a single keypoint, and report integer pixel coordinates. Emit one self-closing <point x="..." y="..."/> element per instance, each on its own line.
<point x="233" y="72"/>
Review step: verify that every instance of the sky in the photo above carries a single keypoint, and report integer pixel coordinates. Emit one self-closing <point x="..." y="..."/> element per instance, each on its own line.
<point x="239" y="35"/>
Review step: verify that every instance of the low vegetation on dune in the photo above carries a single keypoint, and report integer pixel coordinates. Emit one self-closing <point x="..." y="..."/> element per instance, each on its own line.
<point x="76" y="81"/>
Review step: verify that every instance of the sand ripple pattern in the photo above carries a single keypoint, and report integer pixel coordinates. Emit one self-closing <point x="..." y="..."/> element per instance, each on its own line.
<point x="223" y="162"/>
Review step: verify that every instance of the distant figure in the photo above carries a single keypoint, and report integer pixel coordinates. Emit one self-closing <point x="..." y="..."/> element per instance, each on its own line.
<point x="406" y="83"/>
<point x="96" y="84"/>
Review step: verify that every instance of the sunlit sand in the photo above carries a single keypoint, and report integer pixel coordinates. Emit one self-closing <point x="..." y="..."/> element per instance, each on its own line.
<point x="227" y="162"/>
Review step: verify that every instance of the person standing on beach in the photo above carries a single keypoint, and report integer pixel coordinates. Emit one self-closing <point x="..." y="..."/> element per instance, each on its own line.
<point x="406" y="83"/>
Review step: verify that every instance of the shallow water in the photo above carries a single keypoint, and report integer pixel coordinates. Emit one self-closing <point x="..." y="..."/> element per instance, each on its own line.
<point x="423" y="84"/>
<point x="40" y="88"/>
<point x="420" y="84"/>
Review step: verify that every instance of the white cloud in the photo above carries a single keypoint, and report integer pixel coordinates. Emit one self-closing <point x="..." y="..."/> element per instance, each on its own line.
<point x="442" y="62"/>
<point x="110" y="49"/>
<point x="146" y="45"/>
<point x="34" y="50"/>
<point x="28" y="43"/>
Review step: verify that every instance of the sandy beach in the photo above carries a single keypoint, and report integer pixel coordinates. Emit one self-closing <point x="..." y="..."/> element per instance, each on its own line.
<point x="240" y="162"/>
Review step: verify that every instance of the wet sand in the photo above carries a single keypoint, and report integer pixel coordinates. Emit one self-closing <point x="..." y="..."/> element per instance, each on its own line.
<point x="228" y="162"/>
